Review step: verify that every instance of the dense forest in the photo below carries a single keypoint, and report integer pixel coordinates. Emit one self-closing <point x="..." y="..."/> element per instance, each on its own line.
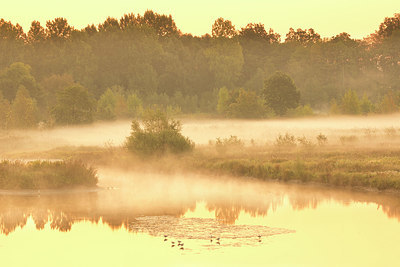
<point x="55" y="74"/>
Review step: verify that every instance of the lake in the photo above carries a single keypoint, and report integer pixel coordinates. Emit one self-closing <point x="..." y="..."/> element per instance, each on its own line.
<point x="141" y="219"/>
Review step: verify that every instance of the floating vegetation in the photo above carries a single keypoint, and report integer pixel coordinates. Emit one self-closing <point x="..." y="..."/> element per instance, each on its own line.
<point x="203" y="229"/>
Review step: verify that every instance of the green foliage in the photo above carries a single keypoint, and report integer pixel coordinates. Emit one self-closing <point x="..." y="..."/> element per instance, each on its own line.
<point x="106" y="106"/>
<point x="74" y="106"/>
<point x="281" y="93"/>
<point x="301" y="111"/>
<point x="323" y="167"/>
<point x="248" y="105"/>
<point x="225" y="57"/>
<point x="242" y="104"/>
<point x="350" y="103"/>
<point x="366" y="106"/>
<point x="224" y="100"/>
<point x="389" y="103"/>
<point x="233" y="143"/>
<point x="135" y="106"/>
<point x="334" y="108"/>
<point x="24" y="111"/>
<point x="157" y="135"/>
<point x="223" y="28"/>
<point x="147" y="54"/>
<point x="286" y="141"/>
<point x="46" y="175"/>
<point x="121" y="103"/>
<point x="53" y="84"/>
<point x="4" y="111"/>
<point x="16" y="75"/>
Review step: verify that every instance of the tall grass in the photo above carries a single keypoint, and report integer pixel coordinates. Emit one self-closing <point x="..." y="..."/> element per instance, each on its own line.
<point x="45" y="175"/>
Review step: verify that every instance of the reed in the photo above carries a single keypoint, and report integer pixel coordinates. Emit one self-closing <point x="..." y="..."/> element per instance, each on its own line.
<point x="46" y="174"/>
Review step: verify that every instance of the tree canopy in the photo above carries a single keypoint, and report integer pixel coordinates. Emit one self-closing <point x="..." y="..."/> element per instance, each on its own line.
<point x="281" y="93"/>
<point x="155" y="64"/>
<point x="74" y="106"/>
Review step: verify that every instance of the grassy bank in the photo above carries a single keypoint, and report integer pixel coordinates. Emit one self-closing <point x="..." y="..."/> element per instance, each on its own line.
<point x="351" y="166"/>
<point x="377" y="169"/>
<point x="45" y="175"/>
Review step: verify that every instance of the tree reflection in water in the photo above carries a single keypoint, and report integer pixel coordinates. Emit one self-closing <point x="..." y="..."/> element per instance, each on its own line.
<point x="63" y="210"/>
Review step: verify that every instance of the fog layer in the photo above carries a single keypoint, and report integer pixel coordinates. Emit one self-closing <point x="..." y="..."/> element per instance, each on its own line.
<point x="200" y="131"/>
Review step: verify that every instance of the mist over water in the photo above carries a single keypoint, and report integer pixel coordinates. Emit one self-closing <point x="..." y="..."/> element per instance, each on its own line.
<point x="135" y="207"/>
<point x="200" y="131"/>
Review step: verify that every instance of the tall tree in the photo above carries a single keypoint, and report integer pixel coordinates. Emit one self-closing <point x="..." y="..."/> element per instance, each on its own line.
<point x="350" y="103"/>
<point x="127" y="21"/>
<point x="389" y="25"/>
<point x="281" y="93"/>
<point x="58" y="29"/>
<point x="162" y="24"/>
<point x="8" y="31"/>
<point x="24" y="111"/>
<point x="14" y="76"/>
<point x="110" y="24"/>
<point x="225" y="61"/>
<point x="74" y="106"/>
<point x="36" y="33"/>
<point x="247" y="105"/>
<point x="106" y="106"/>
<point x="256" y="31"/>
<point x="4" y="111"/>
<point x="223" y="28"/>
<point x="303" y="37"/>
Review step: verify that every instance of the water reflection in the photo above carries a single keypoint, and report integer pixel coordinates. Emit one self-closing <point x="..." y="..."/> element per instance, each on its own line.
<point x="121" y="209"/>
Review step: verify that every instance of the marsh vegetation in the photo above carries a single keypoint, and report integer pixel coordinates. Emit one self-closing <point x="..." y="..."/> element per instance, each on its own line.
<point x="40" y="174"/>
<point x="366" y="158"/>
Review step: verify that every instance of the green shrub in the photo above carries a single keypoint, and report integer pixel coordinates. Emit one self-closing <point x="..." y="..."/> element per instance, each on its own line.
<point x="322" y="139"/>
<point x="305" y="142"/>
<point x="157" y="135"/>
<point x="231" y="143"/>
<point x="286" y="140"/>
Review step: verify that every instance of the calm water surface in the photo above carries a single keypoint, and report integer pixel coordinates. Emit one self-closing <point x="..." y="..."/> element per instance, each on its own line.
<point x="126" y="224"/>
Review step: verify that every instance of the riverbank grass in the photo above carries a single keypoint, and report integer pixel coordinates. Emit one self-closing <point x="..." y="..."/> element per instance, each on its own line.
<point x="15" y="175"/>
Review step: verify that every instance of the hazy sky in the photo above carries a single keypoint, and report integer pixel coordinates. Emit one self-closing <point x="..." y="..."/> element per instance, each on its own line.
<point x="327" y="17"/>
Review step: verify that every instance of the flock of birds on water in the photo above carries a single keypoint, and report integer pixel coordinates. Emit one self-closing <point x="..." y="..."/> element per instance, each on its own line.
<point x="212" y="238"/>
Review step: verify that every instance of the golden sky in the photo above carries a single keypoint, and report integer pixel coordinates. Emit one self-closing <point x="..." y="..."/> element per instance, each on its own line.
<point x="328" y="17"/>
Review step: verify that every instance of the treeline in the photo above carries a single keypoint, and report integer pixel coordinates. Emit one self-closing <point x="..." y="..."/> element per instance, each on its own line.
<point x="119" y="67"/>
